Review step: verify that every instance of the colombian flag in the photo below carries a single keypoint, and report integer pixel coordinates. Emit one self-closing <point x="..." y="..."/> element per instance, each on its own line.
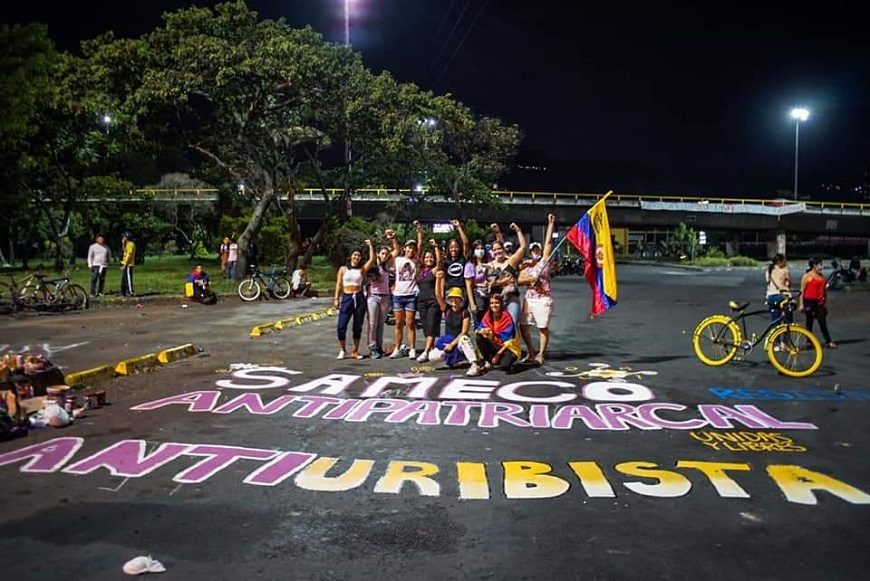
<point x="591" y="236"/>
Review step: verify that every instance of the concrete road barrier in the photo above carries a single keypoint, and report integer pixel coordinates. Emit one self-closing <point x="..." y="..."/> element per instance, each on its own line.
<point x="137" y="364"/>
<point x="296" y="321"/>
<point x="176" y="353"/>
<point x="90" y="375"/>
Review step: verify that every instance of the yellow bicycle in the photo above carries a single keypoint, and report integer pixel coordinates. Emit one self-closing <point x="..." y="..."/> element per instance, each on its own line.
<point x="791" y="348"/>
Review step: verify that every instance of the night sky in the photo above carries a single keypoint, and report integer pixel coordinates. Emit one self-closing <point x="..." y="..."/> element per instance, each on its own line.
<point x="646" y="97"/>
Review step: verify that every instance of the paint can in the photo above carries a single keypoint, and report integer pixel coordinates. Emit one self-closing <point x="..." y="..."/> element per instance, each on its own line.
<point x="96" y="398"/>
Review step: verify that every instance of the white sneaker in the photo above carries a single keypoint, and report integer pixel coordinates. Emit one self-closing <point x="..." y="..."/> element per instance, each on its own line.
<point x="341" y="354"/>
<point x="423" y="357"/>
<point x="397" y="352"/>
<point x="412" y="354"/>
<point x="436" y="355"/>
<point x="473" y="371"/>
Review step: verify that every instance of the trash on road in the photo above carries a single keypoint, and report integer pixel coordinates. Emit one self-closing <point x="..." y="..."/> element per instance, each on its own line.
<point x="143" y="564"/>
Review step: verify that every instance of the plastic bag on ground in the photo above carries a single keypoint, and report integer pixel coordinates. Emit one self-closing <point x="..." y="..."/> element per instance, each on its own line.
<point x="143" y="564"/>
<point x="57" y="416"/>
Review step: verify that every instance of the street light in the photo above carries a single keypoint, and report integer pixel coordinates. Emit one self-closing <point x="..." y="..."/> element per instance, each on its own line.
<point x="799" y="114"/>
<point x="346" y="22"/>
<point x="107" y="120"/>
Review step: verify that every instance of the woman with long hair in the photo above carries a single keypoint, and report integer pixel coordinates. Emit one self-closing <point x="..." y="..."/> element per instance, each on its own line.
<point x="503" y="271"/>
<point x="538" y="300"/>
<point x="497" y="340"/>
<point x="349" y="299"/>
<point x="427" y="302"/>
<point x="406" y="267"/>
<point x="455" y="260"/>
<point x="476" y="283"/>
<point x="378" y="300"/>
<point x="778" y="284"/>
<point x="814" y="298"/>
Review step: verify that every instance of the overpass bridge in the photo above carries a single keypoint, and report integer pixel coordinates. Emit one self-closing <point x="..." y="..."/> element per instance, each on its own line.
<point x="644" y="212"/>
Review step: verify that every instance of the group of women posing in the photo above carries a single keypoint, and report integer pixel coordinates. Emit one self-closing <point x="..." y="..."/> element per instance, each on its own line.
<point x="475" y="290"/>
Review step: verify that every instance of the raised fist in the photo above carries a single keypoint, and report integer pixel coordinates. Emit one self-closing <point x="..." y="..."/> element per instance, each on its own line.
<point x="551" y="218"/>
<point x="495" y="227"/>
<point x="368" y="242"/>
<point x="455" y="223"/>
<point x="417" y="225"/>
<point x="390" y="234"/>
<point x="432" y="243"/>
<point x="514" y="227"/>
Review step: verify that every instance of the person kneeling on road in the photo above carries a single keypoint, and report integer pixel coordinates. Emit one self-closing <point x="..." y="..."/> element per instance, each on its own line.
<point x="454" y="346"/>
<point x="497" y="339"/>
<point x="201" y="291"/>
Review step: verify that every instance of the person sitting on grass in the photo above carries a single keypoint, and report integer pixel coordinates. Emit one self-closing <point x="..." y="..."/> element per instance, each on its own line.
<point x="454" y="346"/>
<point x="201" y="291"/>
<point x="300" y="284"/>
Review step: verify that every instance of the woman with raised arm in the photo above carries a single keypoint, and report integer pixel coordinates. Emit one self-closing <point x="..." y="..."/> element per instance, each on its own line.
<point x="454" y="262"/>
<point x="476" y="283"/>
<point x="503" y="271"/>
<point x="378" y="300"/>
<point x="538" y="301"/>
<point x="405" y="293"/>
<point x="427" y="301"/>
<point x="350" y="300"/>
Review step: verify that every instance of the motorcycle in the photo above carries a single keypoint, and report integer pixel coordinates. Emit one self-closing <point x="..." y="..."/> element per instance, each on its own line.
<point x="841" y="276"/>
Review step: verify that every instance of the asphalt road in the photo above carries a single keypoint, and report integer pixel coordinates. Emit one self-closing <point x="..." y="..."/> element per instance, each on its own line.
<point x="321" y="469"/>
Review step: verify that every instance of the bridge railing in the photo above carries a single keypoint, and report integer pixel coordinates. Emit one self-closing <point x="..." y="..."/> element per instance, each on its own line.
<point x="506" y="196"/>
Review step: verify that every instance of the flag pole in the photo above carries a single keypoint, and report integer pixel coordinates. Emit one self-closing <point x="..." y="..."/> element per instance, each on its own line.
<point x="564" y="238"/>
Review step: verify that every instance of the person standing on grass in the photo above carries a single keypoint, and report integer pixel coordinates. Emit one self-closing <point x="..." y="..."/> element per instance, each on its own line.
<point x="814" y="298"/>
<point x="98" y="262"/>
<point x="350" y="300"/>
<point x="224" y="256"/>
<point x="128" y="259"/>
<point x="232" y="258"/>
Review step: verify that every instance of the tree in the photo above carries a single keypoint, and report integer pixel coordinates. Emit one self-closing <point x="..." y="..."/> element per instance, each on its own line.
<point x="253" y="98"/>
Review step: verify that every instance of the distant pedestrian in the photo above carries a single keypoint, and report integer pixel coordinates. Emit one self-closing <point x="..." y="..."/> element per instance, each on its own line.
<point x="299" y="283"/>
<point x="232" y="258"/>
<point x="202" y="292"/>
<point x="128" y="259"/>
<point x="778" y="285"/>
<point x="814" y="298"/>
<point x="224" y="254"/>
<point x="98" y="262"/>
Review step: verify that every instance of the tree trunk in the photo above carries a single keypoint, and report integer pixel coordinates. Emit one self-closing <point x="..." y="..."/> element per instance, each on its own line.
<point x="251" y="231"/>
<point x="295" y="231"/>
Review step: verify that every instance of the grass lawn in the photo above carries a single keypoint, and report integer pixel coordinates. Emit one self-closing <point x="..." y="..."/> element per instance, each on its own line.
<point x="166" y="275"/>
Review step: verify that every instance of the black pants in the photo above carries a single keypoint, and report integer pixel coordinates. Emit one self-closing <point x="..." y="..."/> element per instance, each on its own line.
<point x="430" y="316"/>
<point x="489" y="349"/>
<point x="127" y="281"/>
<point x="351" y="306"/>
<point x="98" y="279"/>
<point x="816" y="312"/>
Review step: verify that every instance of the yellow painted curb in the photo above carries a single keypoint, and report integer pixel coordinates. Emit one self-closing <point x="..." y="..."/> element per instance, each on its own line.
<point x="261" y="329"/>
<point x="293" y="321"/>
<point x="143" y="363"/>
<point x="176" y="353"/>
<point x="90" y="375"/>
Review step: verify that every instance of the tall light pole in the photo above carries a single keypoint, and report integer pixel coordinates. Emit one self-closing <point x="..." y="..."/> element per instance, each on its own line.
<point x="347" y="152"/>
<point x="799" y="115"/>
<point x="346" y="22"/>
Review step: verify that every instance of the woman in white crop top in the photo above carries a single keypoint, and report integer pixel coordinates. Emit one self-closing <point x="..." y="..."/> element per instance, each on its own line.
<point x="406" y="266"/>
<point x="349" y="299"/>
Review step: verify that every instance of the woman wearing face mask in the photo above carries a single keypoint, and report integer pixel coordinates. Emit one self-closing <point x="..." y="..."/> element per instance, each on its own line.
<point x="427" y="302"/>
<point x="538" y="301"/>
<point x="503" y="271"/>
<point x="349" y="299"/>
<point x="407" y="268"/>
<point x="476" y="283"/>
<point x="378" y="299"/>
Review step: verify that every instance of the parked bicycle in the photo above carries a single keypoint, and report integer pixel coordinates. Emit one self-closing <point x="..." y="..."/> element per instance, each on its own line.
<point x="791" y="349"/>
<point x="278" y="285"/>
<point x="37" y="291"/>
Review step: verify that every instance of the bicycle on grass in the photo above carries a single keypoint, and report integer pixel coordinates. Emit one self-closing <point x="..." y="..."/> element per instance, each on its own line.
<point x="277" y="286"/>
<point x="37" y="291"/>
<point x="791" y="348"/>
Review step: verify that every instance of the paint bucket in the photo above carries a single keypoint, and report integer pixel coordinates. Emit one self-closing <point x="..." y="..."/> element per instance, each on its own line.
<point x="96" y="398"/>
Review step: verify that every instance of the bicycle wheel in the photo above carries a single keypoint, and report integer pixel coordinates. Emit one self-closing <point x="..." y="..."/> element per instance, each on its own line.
<point x="249" y="290"/>
<point x="281" y="287"/>
<point x="716" y="340"/>
<point x="75" y="295"/>
<point x="794" y="351"/>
